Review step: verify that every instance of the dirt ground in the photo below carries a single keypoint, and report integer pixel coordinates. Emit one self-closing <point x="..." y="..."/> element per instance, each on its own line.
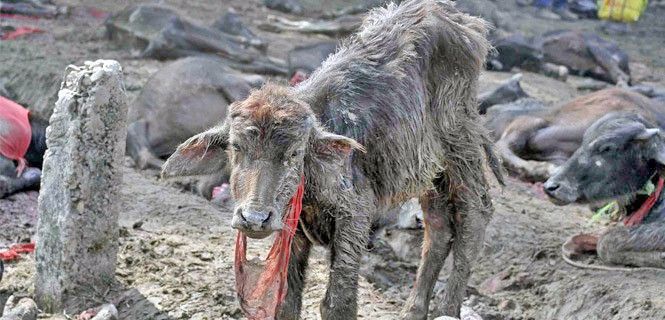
<point x="176" y="258"/>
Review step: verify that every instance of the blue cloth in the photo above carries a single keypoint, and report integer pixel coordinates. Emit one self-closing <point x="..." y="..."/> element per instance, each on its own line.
<point x="557" y="4"/>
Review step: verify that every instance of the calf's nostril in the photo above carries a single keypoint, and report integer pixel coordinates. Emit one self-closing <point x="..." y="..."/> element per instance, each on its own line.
<point x="270" y="213"/>
<point x="550" y="187"/>
<point x="240" y="214"/>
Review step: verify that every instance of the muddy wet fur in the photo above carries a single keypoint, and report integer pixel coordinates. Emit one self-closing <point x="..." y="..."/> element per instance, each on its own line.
<point x="392" y="115"/>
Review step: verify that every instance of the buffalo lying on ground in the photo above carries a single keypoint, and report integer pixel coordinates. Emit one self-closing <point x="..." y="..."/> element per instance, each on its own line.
<point x="392" y="115"/>
<point x="160" y="32"/>
<point x="535" y="142"/>
<point x="180" y="100"/>
<point x="620" y="154"/>
<point x="583" y="53"/>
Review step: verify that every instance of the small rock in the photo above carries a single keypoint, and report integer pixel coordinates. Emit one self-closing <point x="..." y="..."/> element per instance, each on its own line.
<point x="107" y="312"/>
<point x="137" y="224"/>
<point x="495" y="283"/>
<point x="467" y="313"/>
<point x="410" y="215"/>
<point x="506" y="305"/>
<point x="23" y="309"/>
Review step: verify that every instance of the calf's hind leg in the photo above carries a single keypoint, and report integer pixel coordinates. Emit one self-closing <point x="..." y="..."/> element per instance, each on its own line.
<point x="470" y="221"/>
<point x="471" y="212"/>
<point x="642" y="246"/>
<point x="436" y="246"/>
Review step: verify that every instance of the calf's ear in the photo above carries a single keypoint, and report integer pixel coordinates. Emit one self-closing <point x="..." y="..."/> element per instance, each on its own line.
<point x="327" y="143"/>
<point x="657" y="146"/>
<point x="204" y="153"/>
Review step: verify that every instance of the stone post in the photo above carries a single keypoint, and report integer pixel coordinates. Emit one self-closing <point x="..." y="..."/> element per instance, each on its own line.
<point x="77" y="235"/>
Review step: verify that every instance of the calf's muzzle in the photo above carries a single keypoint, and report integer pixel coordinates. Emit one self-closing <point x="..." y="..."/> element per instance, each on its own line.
<point x="255" y="221"/>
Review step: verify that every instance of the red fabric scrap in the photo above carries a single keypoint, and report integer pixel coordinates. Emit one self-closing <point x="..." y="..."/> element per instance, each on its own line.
<point x="262" y="288"/>
<point x="14" y="251"/>
<point x="641" y="213"/>
<point x="14" y="121"/>
<point x="20" y="32"/>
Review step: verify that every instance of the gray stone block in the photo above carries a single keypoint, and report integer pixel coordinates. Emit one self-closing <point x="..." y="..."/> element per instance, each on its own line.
<point x="77" y="235"/>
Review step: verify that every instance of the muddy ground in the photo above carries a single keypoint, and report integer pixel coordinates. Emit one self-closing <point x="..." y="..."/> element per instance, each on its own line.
<point x="176" y="259"/>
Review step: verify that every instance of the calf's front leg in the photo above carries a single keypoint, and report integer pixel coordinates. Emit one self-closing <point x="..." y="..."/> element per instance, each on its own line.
<point x="300" y="248"/>
<point x="347" y="246"/>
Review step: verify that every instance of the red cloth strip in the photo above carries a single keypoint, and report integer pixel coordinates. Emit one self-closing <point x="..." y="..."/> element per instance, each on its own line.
<point x="20" y="32"/>
<point x="14" y="251"/>
<point x="638" y="216"/>
<point x="262" y="289"/>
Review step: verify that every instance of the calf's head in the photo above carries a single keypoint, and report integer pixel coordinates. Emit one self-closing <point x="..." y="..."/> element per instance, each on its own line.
<point x="265" y="141"/>
<point x="618" y="155"/>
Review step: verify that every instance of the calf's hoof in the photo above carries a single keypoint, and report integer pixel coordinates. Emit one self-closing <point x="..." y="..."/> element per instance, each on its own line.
<point x="411" y="312"/>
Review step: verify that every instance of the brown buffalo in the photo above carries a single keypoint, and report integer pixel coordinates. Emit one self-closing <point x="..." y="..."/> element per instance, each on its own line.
<point x="533" y="144"/>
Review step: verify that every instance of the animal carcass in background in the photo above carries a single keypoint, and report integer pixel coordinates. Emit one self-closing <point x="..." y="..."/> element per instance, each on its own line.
<point x="180" y="100"/>
<point x="582" y="53"/>
<point x="160" y="32"/>
<point x="534" y="142"/>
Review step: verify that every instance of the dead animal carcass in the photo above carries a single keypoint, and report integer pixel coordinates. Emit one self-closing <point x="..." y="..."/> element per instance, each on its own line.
<point x="160" y="32"/>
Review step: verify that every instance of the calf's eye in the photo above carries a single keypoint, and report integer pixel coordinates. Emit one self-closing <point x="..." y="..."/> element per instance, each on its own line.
<point x="235" y="147"/>
<point x="606" y="148"/>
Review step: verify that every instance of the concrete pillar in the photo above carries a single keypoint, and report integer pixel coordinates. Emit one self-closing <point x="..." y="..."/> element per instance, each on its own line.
<point x="77" y="235"/>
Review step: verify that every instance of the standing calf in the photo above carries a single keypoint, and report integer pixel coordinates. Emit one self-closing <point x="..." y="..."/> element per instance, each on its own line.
<point x="392" y="115"/>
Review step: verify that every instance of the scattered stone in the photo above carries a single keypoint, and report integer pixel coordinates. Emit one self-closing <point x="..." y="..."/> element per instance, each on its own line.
<point x="78" y="205"/>
<point x="137" y="224"/>
<point x="403" y="243"/>
<point x="20" y="309"/>
<point x="495" y="283"/>
<point x="506" y="305"/>
<point x="466" y="313"/>
<point x="107" y="312"/>
<point x="410" y="215"/>
<point x="555" y="71"/>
